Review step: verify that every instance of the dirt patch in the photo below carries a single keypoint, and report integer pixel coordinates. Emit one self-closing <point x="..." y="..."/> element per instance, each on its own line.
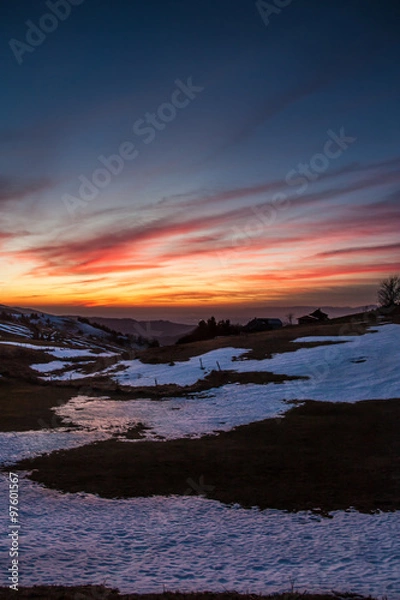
<point x="320" y="456"/>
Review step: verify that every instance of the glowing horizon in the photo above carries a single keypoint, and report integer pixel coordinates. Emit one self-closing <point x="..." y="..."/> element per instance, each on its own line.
<point x="205" y="179"/>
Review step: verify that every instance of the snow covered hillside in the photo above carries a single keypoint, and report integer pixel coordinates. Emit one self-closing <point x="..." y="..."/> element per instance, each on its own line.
<point x="193" y="543"/>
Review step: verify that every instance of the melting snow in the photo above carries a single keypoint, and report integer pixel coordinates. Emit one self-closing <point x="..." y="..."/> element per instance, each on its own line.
<point x="69" y="375"/>
<point x="191" y="544"/>
<point x="218" y="409"/>
<point x="363" y="374"/>
<point x="15" y="446"/>
<point x="366" y="367"/>
<point x="60" y="352"/>
<point x="55" y="365"/>
<point x="183" y="373"/>
<point x="335" y="373"/>
<point x="16" y="330"/>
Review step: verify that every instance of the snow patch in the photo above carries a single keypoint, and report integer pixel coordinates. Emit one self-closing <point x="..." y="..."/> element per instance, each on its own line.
<point x="193" y="544"/>
<point x="340" y="373"/>
<point x="60" y="352"/>
<point x="218" y="409"/>
<point x="55" y="365"/>
<point x="181" y="373"/>
<point x="16" y="330"/>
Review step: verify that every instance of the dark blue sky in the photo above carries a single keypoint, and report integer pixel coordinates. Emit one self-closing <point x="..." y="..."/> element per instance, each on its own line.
<point x="176" y="225"/>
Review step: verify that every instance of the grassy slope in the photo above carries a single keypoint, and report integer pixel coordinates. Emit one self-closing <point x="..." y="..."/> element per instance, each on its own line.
<point x="25" y="401"/>
<point x="261" y="345"/>
<point x="319" y="456"/>
<point x="24" y="404"/>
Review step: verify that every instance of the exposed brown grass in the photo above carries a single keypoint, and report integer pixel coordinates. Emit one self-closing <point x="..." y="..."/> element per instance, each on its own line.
<point x="214" y="379"/>
<point x="27" y="406"/>
<point x="261" y="345"/>
<point x="15" y="362"/>
<point x="318" y="456"/>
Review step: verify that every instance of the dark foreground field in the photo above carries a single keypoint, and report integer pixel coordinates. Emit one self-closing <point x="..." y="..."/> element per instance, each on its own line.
<point x="26" y="406"/>
<point x="102" y="593"/>
<point x="319" y="456"/>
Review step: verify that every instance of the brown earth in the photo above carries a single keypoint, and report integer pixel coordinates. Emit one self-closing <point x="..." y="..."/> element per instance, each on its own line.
<point x="319" y="456"/>
<point x="26" y="406"/>
<point x="15" y="362"/>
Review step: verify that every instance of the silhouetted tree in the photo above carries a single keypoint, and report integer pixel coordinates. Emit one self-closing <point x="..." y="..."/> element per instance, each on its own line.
<point x="290" y="317"/>
<point x="212" y="326"/>
<point x="209" y="330"/>
<point x="389" y="291"/>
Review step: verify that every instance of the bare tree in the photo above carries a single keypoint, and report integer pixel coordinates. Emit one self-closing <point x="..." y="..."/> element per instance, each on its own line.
<point x="389" y="291"/>
<point x="289" y="317"/>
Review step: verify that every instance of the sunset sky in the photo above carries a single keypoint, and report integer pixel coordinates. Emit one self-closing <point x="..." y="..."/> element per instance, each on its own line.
<point x="255" y="158"/>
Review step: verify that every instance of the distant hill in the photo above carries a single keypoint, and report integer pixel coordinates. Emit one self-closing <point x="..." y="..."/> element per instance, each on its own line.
<point x="45" y="327"/>
<point x="168" y="332"/>
<point x="165" y="332"/>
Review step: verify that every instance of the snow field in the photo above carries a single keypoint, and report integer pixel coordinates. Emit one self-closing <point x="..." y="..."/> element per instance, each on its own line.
<point x="189" y="543"/>
<point x="192" y="544"/>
